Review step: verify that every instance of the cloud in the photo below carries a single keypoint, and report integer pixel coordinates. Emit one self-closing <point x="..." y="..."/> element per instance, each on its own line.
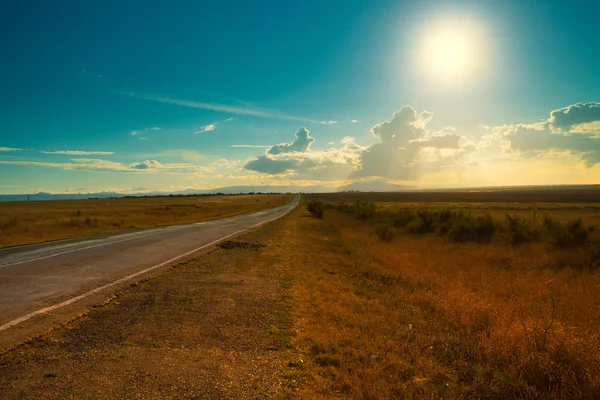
<point x="155" y="128"/>
<point x="564" y="119"/>
<point x="79" y="152"/>
<point x="212" y="127"/>
<point x="402" y="152"/>
<point x="207" y="128"/>
<point x="354" y="121"/>
<point x="255" y="112"/>
<point x="298" y="159"/>
<point x="405" y="151"/>
<point x="562" y="131"/>
<point x="250" y="146"/>
<point x="86" y="164"/>
<point x="328" y="122"/>
<point x="10" y="149"/>
<point x="449" y="141"/>
<point x="301" y="144"/>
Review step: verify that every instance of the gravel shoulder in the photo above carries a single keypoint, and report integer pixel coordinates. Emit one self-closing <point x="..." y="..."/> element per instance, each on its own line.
<point x="216" y="327"/>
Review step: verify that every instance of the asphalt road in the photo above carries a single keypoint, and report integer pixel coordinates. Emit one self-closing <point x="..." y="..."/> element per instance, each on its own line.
<point x="38" y="279"/>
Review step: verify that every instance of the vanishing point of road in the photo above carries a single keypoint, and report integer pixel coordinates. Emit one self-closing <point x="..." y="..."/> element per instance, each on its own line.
<point x="39" y="280"/>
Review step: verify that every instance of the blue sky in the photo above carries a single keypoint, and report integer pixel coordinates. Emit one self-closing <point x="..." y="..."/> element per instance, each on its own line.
<point x="167" y="95"/>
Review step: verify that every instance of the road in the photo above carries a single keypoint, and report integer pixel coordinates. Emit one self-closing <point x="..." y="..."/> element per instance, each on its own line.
<point x="36" y="280"/>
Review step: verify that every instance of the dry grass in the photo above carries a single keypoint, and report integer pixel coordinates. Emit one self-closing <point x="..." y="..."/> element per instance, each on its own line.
<point x="419" y="317"/>
<point x="39" y="221"/>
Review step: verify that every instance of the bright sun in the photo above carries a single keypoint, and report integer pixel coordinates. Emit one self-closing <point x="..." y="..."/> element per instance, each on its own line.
<point x="450" y="54"/>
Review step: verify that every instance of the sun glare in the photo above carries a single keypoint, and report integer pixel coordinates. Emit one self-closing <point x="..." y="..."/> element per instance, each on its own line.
<point x="450" y="54"/>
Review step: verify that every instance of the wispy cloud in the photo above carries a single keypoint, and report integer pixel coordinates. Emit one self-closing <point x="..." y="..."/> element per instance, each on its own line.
<point x="354" y="121"/>
<point x="250" y="146"/>
<point x="87" y="164"/>
<point x="212" y="127"/>
<point x="206" y="128"/>
<point x="10" y="149"/>
<point x="80" y="152"/>
<point x="328" y="122"/>
<point x="155" y="128"/>
<point x="255" y="112"/>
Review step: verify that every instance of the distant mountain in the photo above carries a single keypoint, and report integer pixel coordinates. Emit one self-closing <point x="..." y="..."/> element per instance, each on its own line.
<point x="359" y="186"/>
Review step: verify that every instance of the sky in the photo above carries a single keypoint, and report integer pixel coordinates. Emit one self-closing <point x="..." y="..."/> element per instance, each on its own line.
<point x="140" y="96"/>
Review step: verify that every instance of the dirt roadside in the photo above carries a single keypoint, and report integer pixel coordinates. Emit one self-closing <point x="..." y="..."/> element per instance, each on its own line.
<point x="218" y="326"/>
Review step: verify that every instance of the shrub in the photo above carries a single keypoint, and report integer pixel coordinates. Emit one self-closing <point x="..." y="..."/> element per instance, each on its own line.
<point x="316" y="208"/>
<point x="402" y="217"/>
<point x="467" y="229"/>
<point x="364" y="209"/>
<point x="519" y="230"/>
<point x="570" y="235"/>
<point x="593" y="250"/>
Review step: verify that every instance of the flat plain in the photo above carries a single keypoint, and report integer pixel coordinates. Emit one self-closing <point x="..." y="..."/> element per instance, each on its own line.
<point x="354" y="304"/>
<point x="23" y="222"/>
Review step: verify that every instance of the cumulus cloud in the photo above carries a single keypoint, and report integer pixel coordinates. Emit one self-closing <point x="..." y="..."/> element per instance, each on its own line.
<point x="401" y="152"/>
<point x="564" y="119"/>
<point x="300" y="145"/>
<point x="298" y="159"/>
<point x="405" y="150"/>
<point x="562" y="131"/>
<point x="79" y="152"/>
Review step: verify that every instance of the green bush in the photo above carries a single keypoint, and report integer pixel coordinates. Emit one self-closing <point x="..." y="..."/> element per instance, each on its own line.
<point x="316" y="208"/>
<point x="593" y="250"/>
<point x="465" y="228"/>
<point x="364" y="209"/>
<point x="519" y="230"/>
<point x="569" y="235"/>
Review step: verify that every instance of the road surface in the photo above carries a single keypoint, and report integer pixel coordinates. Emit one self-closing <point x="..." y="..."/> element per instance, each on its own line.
<point x="37" y="280"/>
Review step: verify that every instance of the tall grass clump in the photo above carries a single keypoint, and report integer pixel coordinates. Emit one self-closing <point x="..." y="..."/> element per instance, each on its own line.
<point x="385" y="231"/>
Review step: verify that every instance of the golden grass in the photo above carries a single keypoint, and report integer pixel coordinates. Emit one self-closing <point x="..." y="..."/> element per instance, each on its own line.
<point x="39" y="221"/>
<point x="419" y="317"/>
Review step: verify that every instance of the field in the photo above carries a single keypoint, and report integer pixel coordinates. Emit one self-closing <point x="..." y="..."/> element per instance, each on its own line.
<point x="320" y="308"/>
<point x="454" y="299"/>
<point x="38" y="221"/>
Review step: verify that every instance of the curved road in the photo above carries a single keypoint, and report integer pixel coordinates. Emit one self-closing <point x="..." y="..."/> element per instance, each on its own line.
<point x="38" y="279"/>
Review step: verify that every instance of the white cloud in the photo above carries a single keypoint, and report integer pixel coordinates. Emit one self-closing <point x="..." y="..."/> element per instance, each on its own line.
<point x="354" y="121"/>
<point x="86" y="164"/>
<point x="10" y="149"/>
<point x="207" y="128"/>
<point x="301" y="144"/>
<point x="79" y="152"/>
<point x="562" y="131"/>
<point x="250" y="146"/>
<point x="328" y="122"/>
<point x="256" y="112"/>
<point x="405" y="151"/>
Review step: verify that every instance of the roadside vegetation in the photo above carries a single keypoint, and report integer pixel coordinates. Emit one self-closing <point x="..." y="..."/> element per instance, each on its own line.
<point x="39" y="221"/>
<point x="441" y="302"/>
<point x="462" y="225"/>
